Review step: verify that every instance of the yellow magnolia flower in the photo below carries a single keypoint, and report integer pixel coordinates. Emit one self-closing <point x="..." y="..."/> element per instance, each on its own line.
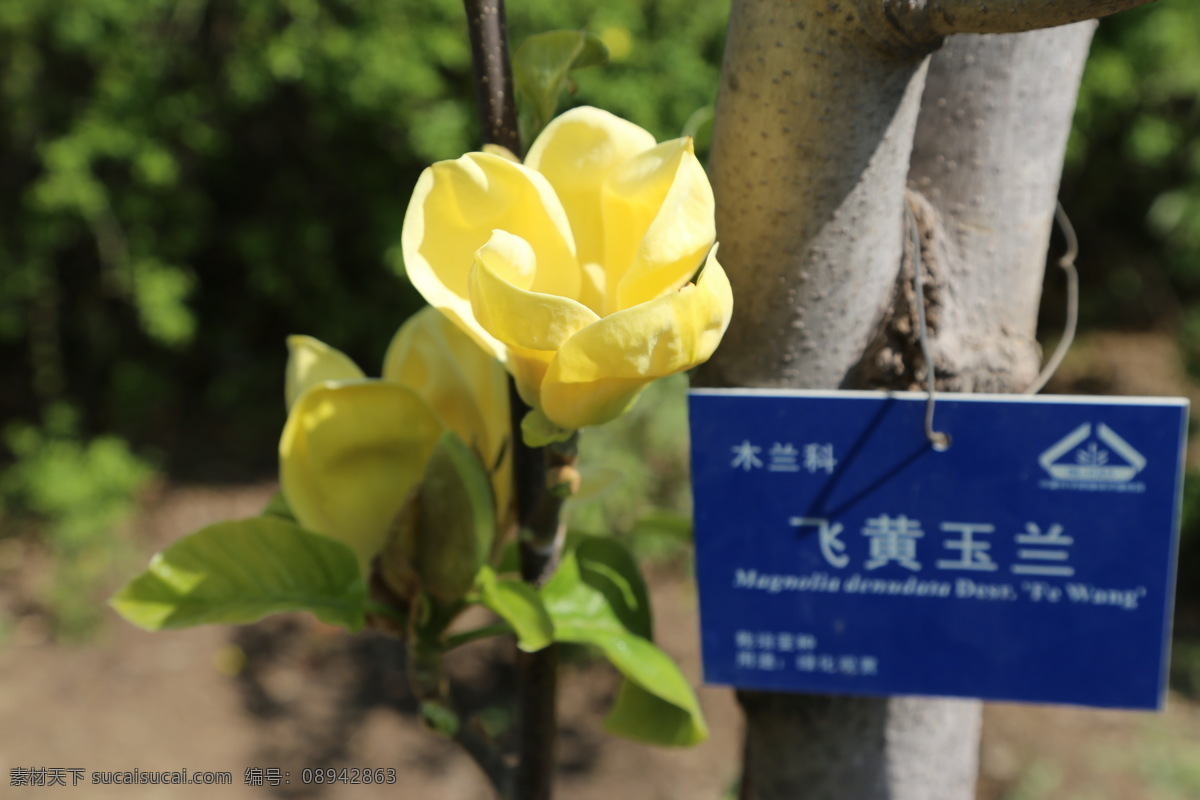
<point x="574" y="268"/>
<point x="353" y="447"/>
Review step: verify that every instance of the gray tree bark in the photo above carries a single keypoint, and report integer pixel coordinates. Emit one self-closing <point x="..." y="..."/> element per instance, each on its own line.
<point x="832" y="120"/>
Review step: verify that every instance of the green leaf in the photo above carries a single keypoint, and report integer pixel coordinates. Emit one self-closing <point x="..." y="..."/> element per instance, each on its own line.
<point x="598" y="582"/>
<point x="237" y="572"/>
<point x="520" y="605"/>
<point x="278" y="506"/>
<point x="541" y="67"/>
<point x="655" y="704"/>
<point x="456" y="520"/>
<point x="440" y="718"/>
<point x="538" y="431"/>
<point x="597" y="597"/>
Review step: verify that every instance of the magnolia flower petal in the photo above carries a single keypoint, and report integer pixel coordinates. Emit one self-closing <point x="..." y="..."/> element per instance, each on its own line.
<point x="465" y="386"/>
<point x="599" y="372"/>
<point x="528" y="369"/>
<point x="311" y="361"/>
<point x="349" y="454"/>
<point x="658" y="223"/>
<point x="454" y="209"/>
<point x="594" y="293"/>
<point x="462" y="383"/>
<point x="510" y="257"/>
<point x="675" y="243"/>
<point x="508" y="310"/>
<point x="530" y="325"/>
<point x="576" y="152"/>
<point x="579" y="405"/>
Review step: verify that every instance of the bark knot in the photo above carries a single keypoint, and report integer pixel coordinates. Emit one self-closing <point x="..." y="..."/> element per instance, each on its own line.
<point x="893" y="358"/>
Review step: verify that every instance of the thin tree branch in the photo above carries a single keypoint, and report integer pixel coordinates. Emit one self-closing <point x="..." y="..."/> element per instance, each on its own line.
<point x="922" y="24"/>
<point x="493" y="73"/>
<point x="538" y="505"/>
<point x="537" y="693"/>
<point x="541" y="543"/>
<point x="537" y="673"/>
<point x="542" y="528"/>
<point x="529" y="463"/>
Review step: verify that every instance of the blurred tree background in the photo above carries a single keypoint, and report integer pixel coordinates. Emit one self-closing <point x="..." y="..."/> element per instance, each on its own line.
<point x="1132" y="180"/>
<point x="183" y="183"/>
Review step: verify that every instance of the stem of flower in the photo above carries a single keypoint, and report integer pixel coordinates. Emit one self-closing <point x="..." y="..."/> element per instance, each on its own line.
<point x="542" y="532"/>
<point x="486" y="632"/>
<point x="537" y="695"/>
<point x="529" y="464"/>
<point x="542" y="527"/>
<point x="493" y="73"/>
<point x="538" y="509"/>
<point x="537" y="673"/>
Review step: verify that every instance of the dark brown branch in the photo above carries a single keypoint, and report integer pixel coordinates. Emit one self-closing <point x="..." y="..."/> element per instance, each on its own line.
<point x="540" y="514"/>
<point x="493" y="73"/>
<point x="529" y="464"/>
<point x="537" y="673"/>
<point x="542" y="527"/>
<point x="537" y="691"/>
<point x="920" y="24"/>
<point x="538" y="505"/>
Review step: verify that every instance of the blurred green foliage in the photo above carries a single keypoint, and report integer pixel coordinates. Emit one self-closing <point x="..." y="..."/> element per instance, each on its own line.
<point x="84" y="487"/>
<point x="76" y="492"/>
<point x="635" y="476"/>
<point x="1132" y="179"/>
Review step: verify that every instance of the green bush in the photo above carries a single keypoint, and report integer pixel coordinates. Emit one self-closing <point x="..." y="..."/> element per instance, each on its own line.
<point x="77" y="492"/>
<point x="1133" y="169"/>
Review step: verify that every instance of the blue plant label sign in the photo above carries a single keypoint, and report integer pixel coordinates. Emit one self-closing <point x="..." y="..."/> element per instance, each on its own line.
<point x="837" y="551"/>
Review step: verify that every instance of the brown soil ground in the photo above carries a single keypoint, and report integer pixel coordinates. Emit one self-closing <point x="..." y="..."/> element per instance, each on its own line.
<point x="291" y="693"/>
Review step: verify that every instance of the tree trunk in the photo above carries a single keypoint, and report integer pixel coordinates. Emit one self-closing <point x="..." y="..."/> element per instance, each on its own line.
<point x="832" y="120"/>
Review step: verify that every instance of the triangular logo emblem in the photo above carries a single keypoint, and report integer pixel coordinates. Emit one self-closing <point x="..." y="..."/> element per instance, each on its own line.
<point x="1103" y="457"/>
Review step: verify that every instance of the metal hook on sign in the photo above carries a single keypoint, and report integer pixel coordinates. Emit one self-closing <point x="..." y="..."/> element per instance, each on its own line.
<point x="939" y="439"/>
<point x="1067" y="263"/>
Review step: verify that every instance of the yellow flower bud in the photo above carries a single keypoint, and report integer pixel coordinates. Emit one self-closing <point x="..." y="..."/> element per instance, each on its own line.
<point x="353" y="448"/>
<point x="456" y="523"/>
